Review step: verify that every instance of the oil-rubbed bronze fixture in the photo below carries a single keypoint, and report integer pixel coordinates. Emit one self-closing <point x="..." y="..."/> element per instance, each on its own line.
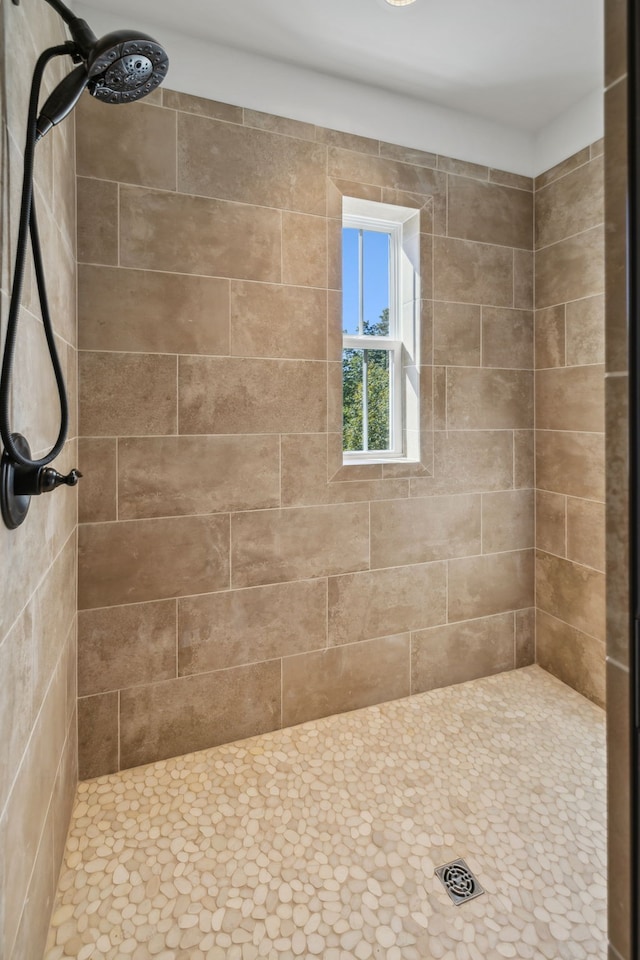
<point x="119" y="68"/>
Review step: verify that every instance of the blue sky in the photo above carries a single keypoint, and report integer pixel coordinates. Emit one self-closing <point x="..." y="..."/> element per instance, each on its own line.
<point x="376" y="273"/>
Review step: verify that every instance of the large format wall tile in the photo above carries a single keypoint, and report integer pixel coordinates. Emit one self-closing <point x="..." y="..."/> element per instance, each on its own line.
<point x="489" y="399"/>
<point x="269" y="546"/>
<point x="571" y="592"/>
<point x="473" y="272"/>
<point x="570" y="205"/>
<point x="457" y="652"/>
<point x="151" y="312"/>
<point x="184" y="234"/>
<point x="571" y="655"/>
<point x="570" y="269"/>
<point x="344" y="678"/>
<point x="480" y="586"/>
<point x="269" y="320"/>
<point x="97" y="221"/>
<point x="156" y="475"/>
<point x="410" y="531"/>
<point x="149" y="158"/>
<point x="127" y="393"/>
<point x="239" y="395"/>
<point x="571" y="398"/>
<point x="228" y="629"/>
<point x="125" y="646"/>
<point x="137" y="560"/>
<point x="489" y="213"/>
<point x="233" y="162"/>
<point x="571" y="463"/>
<point x="179" y="716"/>
<point x="367" y="605"/>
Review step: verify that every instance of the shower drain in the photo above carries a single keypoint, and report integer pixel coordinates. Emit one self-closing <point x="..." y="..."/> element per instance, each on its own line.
<point x="458" y="881"/>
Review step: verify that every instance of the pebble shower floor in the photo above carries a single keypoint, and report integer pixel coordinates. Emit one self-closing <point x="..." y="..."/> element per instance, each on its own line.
<point x="321" y="841"/>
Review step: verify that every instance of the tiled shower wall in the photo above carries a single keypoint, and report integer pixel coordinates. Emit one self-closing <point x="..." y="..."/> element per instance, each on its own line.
<point x="622" y="908"/>
<point x="233" y="577"/>
<point x="569" y="412"/>
<point x="38" y="768"/>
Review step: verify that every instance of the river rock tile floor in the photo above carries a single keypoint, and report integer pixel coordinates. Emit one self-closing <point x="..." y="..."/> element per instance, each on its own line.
<point x="321" y="841"/>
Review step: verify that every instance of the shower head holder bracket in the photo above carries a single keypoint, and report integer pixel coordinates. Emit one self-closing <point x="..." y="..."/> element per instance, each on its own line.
<point x="18" y="484"/>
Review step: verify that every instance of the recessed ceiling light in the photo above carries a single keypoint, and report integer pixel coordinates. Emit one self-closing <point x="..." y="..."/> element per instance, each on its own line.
<point x="400" y="3"/>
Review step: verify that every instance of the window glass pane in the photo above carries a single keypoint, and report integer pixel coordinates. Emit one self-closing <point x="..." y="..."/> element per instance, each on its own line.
<point x="378" y="393"/>
<point x="350" y="281"/>
<point x="366" y="400"/>
<point x="375" y="255"/>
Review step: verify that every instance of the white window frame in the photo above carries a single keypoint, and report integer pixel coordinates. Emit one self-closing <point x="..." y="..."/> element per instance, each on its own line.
<point x="402" y="341"/>
<point x="392" y="343"/>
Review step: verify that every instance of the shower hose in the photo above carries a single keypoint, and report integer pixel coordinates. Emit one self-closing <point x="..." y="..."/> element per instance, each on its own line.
<point x="28" y="225"/>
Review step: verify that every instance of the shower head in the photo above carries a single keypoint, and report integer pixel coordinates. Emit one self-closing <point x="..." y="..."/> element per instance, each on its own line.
<point x="124" y="66"/>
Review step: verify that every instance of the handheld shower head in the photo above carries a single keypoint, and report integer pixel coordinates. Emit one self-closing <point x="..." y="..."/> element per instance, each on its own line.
<point x="124" y="66"/>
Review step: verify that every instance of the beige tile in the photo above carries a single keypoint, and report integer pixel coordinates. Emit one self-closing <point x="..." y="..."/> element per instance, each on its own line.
<point x="615" y="41"/>
<point x="152" y="312"/>
<point x="16" y="704"/>
<point x="456" y="334"/>
<point x="182" y="234"/>
<point x="223" y="706"/>
<point x="393" y="151"/>
<point x="470" y="272"/>
<point x="616" y="199"/>
<point x="463" y="168"/>
<point x="145" y="137"/>
<point x="481" y="586"/>
<point x="98" y="751"/>
<point x="523" y="458"/>
<point x="489" y="213"/>
<point x="263" y="317"/>
<point x="231" y="162"/>
<point x="585" y="330"/>
<point x="570" y="269"/>
<point x="551" y="522"/>
<point x="373" y="604"/>
<point x="304" y="250"/>
<point x="523" y="279"/>
<point x="54" y="610"/>
<point x="381" y="172"/>
<point x="200" y="105"/>
<point x="570" y="205"/>
<point x="570" y="398"/>
<point x="571" y="463"/>
<point x="469" y="461"/>
<point x="489" y="399"/>
<point x="596" y="149"/>
<point x="457" y="652"/>
<point x="138" y="560"/>
<point x="348" y="141"/>
<point x="233" y="395"/>
<point x="97" y="492"/>
<point x="228" y="629"/>
<point x="344" y="678"/>
<point x="525" y="637"/>
<point x="305" y="480"/>
<point x="127" y="393"/>
<point x="562" y="168"/>
<point x="271" y="546"/>
<point x="421" y="530"/>
<point x="572" y="656"/>
<point x="97" y="221"/>
<point x="622" y="910"/>
<point x="550" y="337"/>
<point x="586" y="533"/>
<point x="177" y="476"/>
<point x="617" y="518"/>
<point x="572" y="593"/>
<point x="281" y="125"/>
<point x="34" y="923"/>
<point x="507" y="521"/>
<point x="125" y="646"/>
<point x="511" y="180"/>
<point x="337" y="189"/>
<point x="507" y="338"/>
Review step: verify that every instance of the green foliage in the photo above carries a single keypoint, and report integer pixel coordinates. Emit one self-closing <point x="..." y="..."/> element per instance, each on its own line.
<point x="377" y="395"/>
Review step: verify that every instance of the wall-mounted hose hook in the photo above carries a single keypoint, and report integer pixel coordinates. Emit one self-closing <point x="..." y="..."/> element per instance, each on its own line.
<point x="121" y="67"/>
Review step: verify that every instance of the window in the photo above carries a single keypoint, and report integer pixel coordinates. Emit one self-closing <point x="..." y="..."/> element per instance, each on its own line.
<point x="379" y="311"/>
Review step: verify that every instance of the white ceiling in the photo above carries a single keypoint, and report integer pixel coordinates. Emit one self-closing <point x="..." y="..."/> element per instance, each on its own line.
<point x="518" y="62"/>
